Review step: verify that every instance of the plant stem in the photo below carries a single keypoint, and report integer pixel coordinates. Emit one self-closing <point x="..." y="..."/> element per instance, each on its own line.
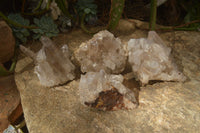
<point x="22" y="124"/>
<point x="153" y="15"/>
<point x="41" y="12"/>
<point x="23" y="5"/>
<point x="178" y="28"/>
<point x="38" y="6"/>
<point x="186" y="24"/>
<point x="116" y="11"/>
<point x="12" y="67"/>
<point x="4" y="71"/>
<point x="14" y="23"/>
<point x="62" y="4"/>
<point x="182" y="26"/>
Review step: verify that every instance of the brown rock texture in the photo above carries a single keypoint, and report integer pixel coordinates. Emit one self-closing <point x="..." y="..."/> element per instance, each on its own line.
<point x="164" y="107"/>
<point x="7" y="42"/>
<point x="9" y="100"/>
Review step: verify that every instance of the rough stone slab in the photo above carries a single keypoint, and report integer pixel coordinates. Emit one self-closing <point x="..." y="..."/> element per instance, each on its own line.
<point x="9" y="100"/>
<point x="164" y="107"/>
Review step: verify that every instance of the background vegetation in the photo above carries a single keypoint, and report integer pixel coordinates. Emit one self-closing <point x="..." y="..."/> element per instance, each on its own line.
<point x="30" y="19"/>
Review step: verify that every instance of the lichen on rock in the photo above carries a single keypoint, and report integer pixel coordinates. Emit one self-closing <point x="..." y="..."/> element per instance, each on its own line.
<point x="103" y="51"/>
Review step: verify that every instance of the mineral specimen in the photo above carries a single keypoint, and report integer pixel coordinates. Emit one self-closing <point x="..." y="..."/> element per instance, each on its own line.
<point x="52" y="65"/>
<point x="151" y="60"/>
<point x="103" y="51"/>
<point x="105" y="91"/>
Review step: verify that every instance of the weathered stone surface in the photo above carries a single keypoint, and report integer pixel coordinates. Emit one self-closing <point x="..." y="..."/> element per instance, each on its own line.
<point x="7" y="42"/>
<point x="9" y="100"/>
<point x="103" y="51"/>
<point x="22" y="64"/>
<point x="150" y="60"/>
<point x="52" y="65"/>
<point x="125" y="26"/>
<point x="164" y="107"/>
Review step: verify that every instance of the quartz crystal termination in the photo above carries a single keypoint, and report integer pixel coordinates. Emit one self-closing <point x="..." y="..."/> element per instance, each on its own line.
<point x="103" y="51"/>
<point x="52" y="65"/>
<point x="105" y="92"/>
<point x="151" y="60"/>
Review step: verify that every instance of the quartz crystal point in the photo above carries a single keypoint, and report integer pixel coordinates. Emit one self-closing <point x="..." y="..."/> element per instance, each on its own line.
<point x="105" y="91"/>
<point x="151" y="60"/>
<point x="52" y="65"/>
<point x="103" y="51"/>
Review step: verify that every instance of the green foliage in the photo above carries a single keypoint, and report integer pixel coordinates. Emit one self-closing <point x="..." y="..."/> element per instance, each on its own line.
<point x="116" y="10"/>
<point x="193" y="13"/>
<point x="152" y="24"/>
<point x="4" y="71"/>
<point x="46" y="26"/>
<point x="87" y="7"/>
<point x="62" y="4"/>
<point x="43" y="26"/>
<point x="192" y="9"/>
<point x="64" y="23"/>
<point x="20" y="33"/>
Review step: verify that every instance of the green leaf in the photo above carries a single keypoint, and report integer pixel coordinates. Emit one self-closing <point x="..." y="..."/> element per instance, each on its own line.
<point x="36" y="36"/>
<point x="36" y="21"/>
<point x="39" y="31"/>
<point x="87" y="10"/>
<point x="23" y="39"/>
<point x="20" y="33"/>
<point x="46" y="26"/>
<point x="50" y="34"/>
<point x="25" y="32"/>
<point x="86" y="6"/>
<point x="19" y="19"/>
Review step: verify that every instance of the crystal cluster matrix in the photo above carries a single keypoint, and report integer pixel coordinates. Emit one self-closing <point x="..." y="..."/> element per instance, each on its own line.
<point x="105" y="91"/>
<point x="103" y="51"/>
<point x="151" y="60"/>
<point x="52" y="65"/>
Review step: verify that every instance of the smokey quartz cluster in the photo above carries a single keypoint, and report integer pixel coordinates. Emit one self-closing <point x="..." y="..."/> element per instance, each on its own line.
<point x="103" y="51"/>
<point x="52" y="65"/>
<point x="105" y="91"/>
<point x="103" y="58"/>
<point x="151" y="60"/>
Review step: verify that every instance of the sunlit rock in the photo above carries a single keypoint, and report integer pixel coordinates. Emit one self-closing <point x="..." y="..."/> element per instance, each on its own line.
<point x="105" y="92"/>
<point x="103" y="51"/>
<point x="52" y="65"/>
<point x="151" y="60"/>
